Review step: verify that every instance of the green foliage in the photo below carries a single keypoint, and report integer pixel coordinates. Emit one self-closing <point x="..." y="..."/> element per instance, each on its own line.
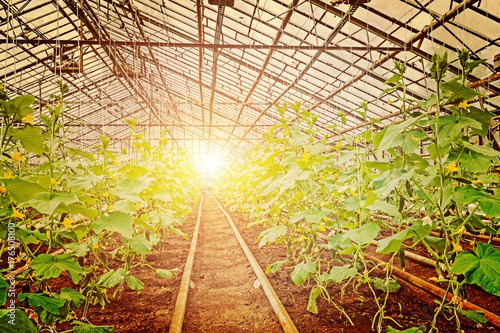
<point x="81" y="202"/>
<point x="425" y="172"/>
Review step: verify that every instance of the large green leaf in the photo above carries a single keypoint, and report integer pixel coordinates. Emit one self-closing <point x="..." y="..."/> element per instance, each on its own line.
<point x="15" y="322"/>
<point x="18" y="106"/>
<point x="483" y="117"/>
<point x="165" y="273"/>
<point x="116" y="221"/>
<point x="484" y="150"/>
<point x="132" y="186"/>
<point x="393" y="243"/>
<point x="47" y="203"/>
<point x="481" y="267"/>
<point x="490" y="205"/>
<point x="112" y="278"/>
<point x="51" y="266"/>
<point x="21" y="190"/>
<point x="30" y="138"/>
<point x="303" y="272"/>
<point x="309" y="215"/>
<point x="385" y="207"/>
<point x="134" y="283"/>
<point x="271" y="235"/>
<point x="363" y="235"/>
<point x="476" y="162"/>
<point x="90" y="213"/>
<point x="475" y="316"/>
<point x="140" y="245"/>
<point x="43" y="301"/>
<point x="339" y="274"/>
<point x="73" y="296"/>
<point x="460" y="91"/>
<point x="88" y="328"/>
<point x="273" y="268"/>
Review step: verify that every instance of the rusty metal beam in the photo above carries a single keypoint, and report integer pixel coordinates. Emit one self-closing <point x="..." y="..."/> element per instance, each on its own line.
<point x="299" y="77"/>
<point x="215" y="46"/>
<point x="199" y="18"/>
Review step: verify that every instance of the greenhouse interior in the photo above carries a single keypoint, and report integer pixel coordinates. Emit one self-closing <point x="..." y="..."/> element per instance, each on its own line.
<point x="250" y="166"/>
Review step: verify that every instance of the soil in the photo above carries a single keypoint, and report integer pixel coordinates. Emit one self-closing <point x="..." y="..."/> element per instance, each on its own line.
<point x="222" y="296"/>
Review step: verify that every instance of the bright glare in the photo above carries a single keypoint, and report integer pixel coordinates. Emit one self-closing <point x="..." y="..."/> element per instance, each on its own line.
<point x="212" y="165"/>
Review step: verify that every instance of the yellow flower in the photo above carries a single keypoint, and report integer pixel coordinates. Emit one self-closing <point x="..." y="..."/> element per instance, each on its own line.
<point x="357" y="139"/>
<point x="54" y="182"/>
<point x="322" y="228"/>
<point x="115" y="162"/>
<point x="415" y="198"/>
<point x="17" y="214"/>
<point x="415" y="139"/>
<point x="461" y="230"/>
<point x="106" y="194"/>
<point x="434" y="279"/>
<point x="68" y="223"/>
<point x="457" y="247"/>
<point x="463" y="105"/>
<point x="17" y="156"/>
<point x="111" y="207"/>
<point x="451" y="212"/>
<point x="28" y="119"/>
<point x="8" y="175"/>
<point x="389" y="101"/>
<point x="303" y="237"/>
<point x="306" y="156"/>
<point x="339" y="144"/>
<point x="95" y="246"/>
<point x="2" y="190"/>
<point x="477" y="182"/>
<point x="18" y="258"/>
<point x="452" y="167"/>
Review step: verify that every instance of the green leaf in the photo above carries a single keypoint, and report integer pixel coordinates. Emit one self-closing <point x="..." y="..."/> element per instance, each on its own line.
<point x="18" y="106"/>
<point x="437" y="243"/>
<point x="460" y="91"/>
<point x="476" y="162"/>
<point x="385" y="207"/>
<point x="140" y="245"/>
<point x="47" y="203"/>
<point x="394" y="130"/>
<point x="394" y="78"/>
<point x="483" y="117"/>
<point x="21" y="190"/>
<point x="481" y="267"/>
<point x="309" y="215"/>
<point x="339" y="274"/>
<point x="88" y="328"/>
<point x="391" y="286"/>
<point x="15" y="322"/>
<point x="132" y="186"/>
<point x="273" y="268"/>
<point x="30" y="138"/>
<point x="90" y="213"/>
<point x="271" y="235"/>
<point x="490" y="205"/>
<point x="363" y="235"/>
<point x="117" y="222"/>
<point x="393" y="243"/>
<point x="165" y="273"/>
<point x="51" y="266"/>
<point x="475" y="316"/>
<point x="112" y="278"/>
<point x="4" y="286"/>
<point x="482" y="149"/>
<point x="73" y="296"/>
<point x="311" y="305"/>
<point x="84" y="154"/>
<point x="303" y="272"/>
<point x="43" y="301"/>
<point x="134" y="283"/>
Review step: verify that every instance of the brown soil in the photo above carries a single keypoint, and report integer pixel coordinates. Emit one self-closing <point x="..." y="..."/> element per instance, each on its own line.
<point x="222" y="297"/>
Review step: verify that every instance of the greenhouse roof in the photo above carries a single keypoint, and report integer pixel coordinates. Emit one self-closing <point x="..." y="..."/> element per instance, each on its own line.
<point x="211" y="74"/>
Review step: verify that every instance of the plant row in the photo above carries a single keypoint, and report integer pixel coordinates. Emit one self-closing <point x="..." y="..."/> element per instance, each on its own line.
<point x="63" y="209"/>
<point x="301" y="183"/>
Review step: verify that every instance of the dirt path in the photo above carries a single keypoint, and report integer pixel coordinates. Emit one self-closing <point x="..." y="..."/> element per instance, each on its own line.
<point x="222" y="297"/>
